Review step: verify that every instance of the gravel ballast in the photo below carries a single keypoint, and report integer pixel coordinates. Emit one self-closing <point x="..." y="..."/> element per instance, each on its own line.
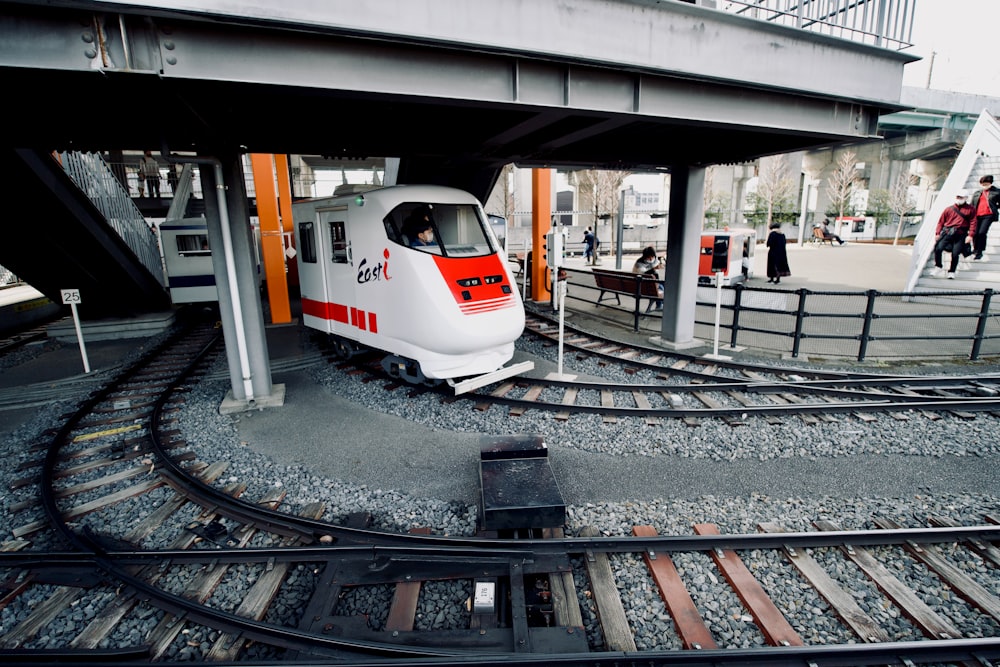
<point x="410" y="461"/>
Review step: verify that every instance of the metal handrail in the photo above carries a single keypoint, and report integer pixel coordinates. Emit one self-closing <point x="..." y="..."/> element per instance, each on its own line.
<point x="96" y="180"/>
<point x="880" y="23"/>
<point x="800" y="306"/>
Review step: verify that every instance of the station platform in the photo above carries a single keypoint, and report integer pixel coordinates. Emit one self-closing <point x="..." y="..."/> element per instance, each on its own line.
<point x="23" y="306"/>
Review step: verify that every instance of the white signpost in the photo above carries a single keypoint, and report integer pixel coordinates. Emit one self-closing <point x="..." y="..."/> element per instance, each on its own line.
<point x="72" y="297"/>
<point x="718" y="311"/>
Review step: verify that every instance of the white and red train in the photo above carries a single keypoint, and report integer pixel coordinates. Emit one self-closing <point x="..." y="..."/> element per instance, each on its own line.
<point x="414" y="271"/>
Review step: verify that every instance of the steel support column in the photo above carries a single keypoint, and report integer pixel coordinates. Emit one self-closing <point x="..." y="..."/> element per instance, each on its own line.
<point x="239" y="297"/>
<point x="687" y="186"/>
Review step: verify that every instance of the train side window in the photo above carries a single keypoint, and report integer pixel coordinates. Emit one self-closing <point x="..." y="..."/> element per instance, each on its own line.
<point x="192" y="245"/>
<point x="338" y="241"/>
<point x="393" y="229"/>
<point x="307" y="242"/>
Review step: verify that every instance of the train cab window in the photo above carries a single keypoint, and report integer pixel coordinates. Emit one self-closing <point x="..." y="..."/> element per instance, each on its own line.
<point x="192" y="245"/>
<point x="459" y="230"/>
<point x="307" y="242"/>
<point x="338" y="241"/>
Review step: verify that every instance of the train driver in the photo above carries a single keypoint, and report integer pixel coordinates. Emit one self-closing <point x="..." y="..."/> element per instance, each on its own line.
<point x="424" y="236"/>
<point x="420" y="229"/>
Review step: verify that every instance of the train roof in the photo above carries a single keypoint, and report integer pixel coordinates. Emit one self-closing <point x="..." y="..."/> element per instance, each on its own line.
<point x="409" y="192"/>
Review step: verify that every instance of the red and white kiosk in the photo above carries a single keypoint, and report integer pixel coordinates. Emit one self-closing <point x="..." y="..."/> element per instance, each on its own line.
<point x="728" y="252"/>
<point x="855" y="228"/>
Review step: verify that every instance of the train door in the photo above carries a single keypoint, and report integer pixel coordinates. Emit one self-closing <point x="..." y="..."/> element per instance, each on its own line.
<point x="338" y="269"/>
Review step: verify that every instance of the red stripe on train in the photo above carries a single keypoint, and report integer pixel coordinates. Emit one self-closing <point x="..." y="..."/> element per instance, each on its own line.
<point x="339" y="312"/>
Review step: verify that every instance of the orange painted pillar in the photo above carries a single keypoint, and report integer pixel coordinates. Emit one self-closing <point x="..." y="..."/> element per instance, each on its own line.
<point x="541" y="222"/>
<point x="271" y="246"/>
<point x="285" y="215"/>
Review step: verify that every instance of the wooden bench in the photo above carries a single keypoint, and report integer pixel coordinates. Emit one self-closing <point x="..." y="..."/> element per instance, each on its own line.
<point x="820" y="237"/>
<point x="519" y="258"/>
<point x="616" y="283"/>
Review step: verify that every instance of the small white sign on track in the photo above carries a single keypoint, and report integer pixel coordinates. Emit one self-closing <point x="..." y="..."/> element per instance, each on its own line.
<point x="72" y="297"/>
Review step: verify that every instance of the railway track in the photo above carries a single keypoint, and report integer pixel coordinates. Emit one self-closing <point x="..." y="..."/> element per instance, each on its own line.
<point x="13" y="341"/>
<point x="202" y="574"/>
<point x="654" y="385"/>
<point x="657" y="384"/>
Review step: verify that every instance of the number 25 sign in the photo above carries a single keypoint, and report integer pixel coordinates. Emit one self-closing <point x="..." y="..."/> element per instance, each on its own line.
<point x="70" y="296"/>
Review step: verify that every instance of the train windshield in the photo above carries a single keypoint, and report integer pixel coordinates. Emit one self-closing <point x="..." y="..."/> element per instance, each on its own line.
<point x="452" y="230"/>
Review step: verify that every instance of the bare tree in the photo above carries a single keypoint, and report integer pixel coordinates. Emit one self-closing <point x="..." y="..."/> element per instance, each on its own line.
<point x="774" y="185"/>
<point x="506" y="181"/>
<point x="707" y="194"/>
<point x="603" y="186"/>
<point x="901" y="202"/>
<point x="842" y="182"/>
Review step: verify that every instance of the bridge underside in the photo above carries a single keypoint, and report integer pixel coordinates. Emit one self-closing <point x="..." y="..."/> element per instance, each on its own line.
<point x="453" y="116"/>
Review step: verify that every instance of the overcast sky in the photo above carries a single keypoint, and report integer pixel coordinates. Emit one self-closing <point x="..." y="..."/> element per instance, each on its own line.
<point x="965" y="36"/>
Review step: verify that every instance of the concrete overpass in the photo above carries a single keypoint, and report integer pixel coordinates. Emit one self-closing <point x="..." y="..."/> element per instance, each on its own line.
<point x="454" y="89"/>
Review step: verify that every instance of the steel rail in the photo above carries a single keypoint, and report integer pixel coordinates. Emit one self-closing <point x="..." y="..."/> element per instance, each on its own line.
<point x="889" y="404"/>
<point x="382" y="553"/>
<point x="825" y="387"/>
<point x="14" y="342"/>
<point x="398" y="545"/>
<point x="819" y="376"/>
<point x="48" y="473"/>
<point x="683" y="356"/>
<point x="378" y="561"/>
<point x="940" y="650"/>
<point x="99" y="557"/>
<point x="870" y="401"/>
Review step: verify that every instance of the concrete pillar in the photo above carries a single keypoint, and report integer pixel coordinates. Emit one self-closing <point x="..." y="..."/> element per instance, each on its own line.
<point x="687" y="187"/>
<point x="272" y="246"/>
<point x="741" y="174"/>
<point x="234" y="260"/>
<point x="541" y="222"/>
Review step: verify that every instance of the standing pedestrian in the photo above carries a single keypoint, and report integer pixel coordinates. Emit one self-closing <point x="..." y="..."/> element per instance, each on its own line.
<point x="150" y="169"/>
<point x="588" y="246"/>
<point x="173" y="178"/>
<point x="955" y="228"/>
<point x="985" y="207"/>
<point x="777" y="255"/>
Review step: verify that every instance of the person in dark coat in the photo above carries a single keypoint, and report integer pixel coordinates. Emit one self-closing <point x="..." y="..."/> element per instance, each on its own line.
<point x="589" y="241"/>
<point x="777" y="255"/>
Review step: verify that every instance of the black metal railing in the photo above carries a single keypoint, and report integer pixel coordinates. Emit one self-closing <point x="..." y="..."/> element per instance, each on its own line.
<point x="854" y="325"/>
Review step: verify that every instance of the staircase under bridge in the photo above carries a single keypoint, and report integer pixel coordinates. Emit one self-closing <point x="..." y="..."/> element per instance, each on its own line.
<point x="980" y="156"/>
<point x="72" y="225"/>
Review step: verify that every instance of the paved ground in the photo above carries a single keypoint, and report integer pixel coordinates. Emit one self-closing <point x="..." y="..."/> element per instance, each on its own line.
<point x="902" y="330"/>
<point x="853" y="266"/>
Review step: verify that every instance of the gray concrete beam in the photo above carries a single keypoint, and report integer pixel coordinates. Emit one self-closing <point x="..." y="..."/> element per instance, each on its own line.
<point x="673" y="38"/>
<point x="596" y="56"/>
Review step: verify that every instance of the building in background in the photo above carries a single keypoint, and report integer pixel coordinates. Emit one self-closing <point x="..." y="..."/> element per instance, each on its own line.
<point x="912" y="156"/>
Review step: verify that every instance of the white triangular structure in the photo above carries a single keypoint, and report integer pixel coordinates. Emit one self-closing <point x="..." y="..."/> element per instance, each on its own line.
<point x="979" y="156"/>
